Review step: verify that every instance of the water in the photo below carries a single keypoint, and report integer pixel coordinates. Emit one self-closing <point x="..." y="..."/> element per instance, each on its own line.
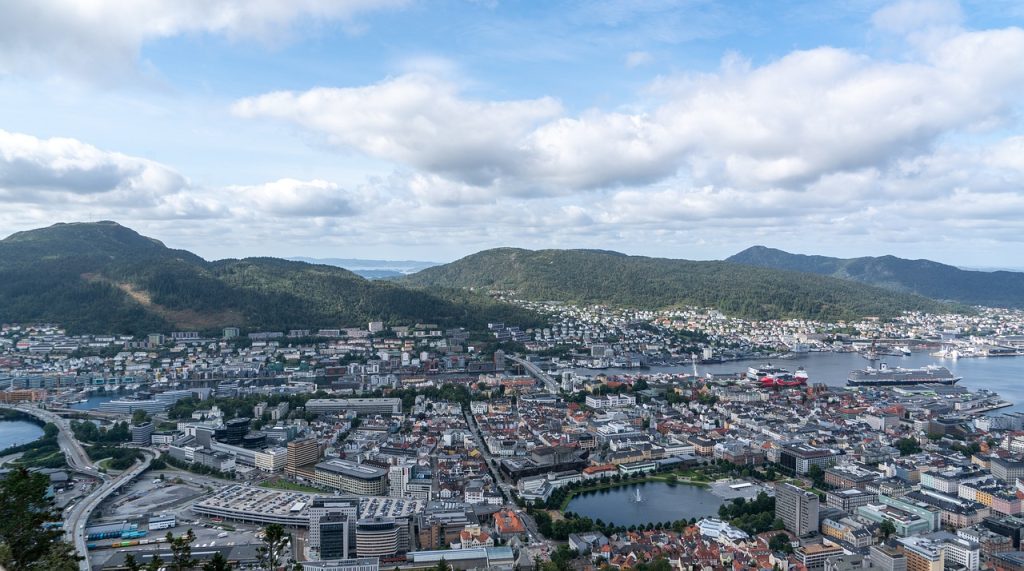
<point x="661" y="502"/>
<point x="1002" y="375"/>
<point x="15" y="432"/>
<point x="93" y="402"/>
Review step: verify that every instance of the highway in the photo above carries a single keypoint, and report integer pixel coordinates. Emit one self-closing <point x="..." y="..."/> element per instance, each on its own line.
<point x="77" y="458"/>
<point x="549" y="384"/>
<point x="77" y="518"/>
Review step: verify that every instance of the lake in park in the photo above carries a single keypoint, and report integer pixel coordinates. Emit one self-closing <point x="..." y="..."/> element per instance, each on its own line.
<point x="659" y="502"/>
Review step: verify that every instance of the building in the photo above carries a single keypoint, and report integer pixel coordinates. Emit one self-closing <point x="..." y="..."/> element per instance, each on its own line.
<point x="887" y="557"/>
<point x="333" y="536"/>
<point x="492" y="558"/>
<point x="358" y="406"/>
<point x="923" y="554"/>
<point x="364" y="564"/>
<point x="301" y="453"/>
<point x="814" y="555"/>
<point x="797" y="508"/>
<point x="321" y="508"/>
<point x="376" y="537"/>
<point x="233" y="431"/>
<point x="798" y="458"/>
<point x="1007" y="470"/>
<point x="271" y="459"/>
<point x="849" y="500"/>
<point x="142" y="434"/>
<point x="348" y="476"/>
<point x="507" y="522"/>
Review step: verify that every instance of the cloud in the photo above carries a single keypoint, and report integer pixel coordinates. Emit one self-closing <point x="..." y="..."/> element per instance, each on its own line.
<point x="103" y="38"/>
<point x="31" y="167"/>
<point x="637" y="59"/>
<point x="787" y="123"/>
<point x="292" y="198"/>
<point x="418" y="120"/>
<point x="910" y="16"/>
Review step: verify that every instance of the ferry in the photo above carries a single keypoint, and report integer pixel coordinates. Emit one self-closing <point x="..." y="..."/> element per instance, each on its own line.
<point x="770" y="377"/>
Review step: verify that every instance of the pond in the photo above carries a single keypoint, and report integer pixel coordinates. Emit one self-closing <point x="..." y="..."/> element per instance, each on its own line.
<point x="659" y="502"/>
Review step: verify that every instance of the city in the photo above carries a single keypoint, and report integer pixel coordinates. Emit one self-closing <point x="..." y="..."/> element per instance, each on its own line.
<point x="467" y="285"/>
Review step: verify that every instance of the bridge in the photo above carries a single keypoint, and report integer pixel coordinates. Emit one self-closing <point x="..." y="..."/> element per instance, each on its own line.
<point x="549" y="383"/>
<point x="76" y="519"/>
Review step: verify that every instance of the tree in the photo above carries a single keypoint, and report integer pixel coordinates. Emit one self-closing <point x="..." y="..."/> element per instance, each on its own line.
<point x="274" y="542"/>
<point x="155" y="564"/>
<point x="50" y="430"/>
<point x="24" y="508"/>
<point x="139" y="416"/>
<point x="131" y="563"/>
<point x="886" y="528"/>
<point x="217" y="563"/>
<point x="442" y="565"/>
<point x="780" y="542"/>
<point x="181" y="550"/>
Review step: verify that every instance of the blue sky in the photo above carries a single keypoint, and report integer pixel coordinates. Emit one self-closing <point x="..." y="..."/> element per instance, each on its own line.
<point x="407" y="129"/>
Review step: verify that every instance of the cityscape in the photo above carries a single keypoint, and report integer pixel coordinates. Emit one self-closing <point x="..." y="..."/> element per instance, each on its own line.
<point x="582" y="285"/>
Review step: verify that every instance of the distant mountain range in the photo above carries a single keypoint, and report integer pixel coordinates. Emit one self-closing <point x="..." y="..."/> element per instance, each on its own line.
<point x="922" y="277"/>
<point x="102" y="277"/>
<point x="372" y="269"/>
<point x="596" y="276"/>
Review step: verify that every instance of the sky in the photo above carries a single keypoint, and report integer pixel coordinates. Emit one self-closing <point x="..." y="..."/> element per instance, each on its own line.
<point x="415" y="129"/>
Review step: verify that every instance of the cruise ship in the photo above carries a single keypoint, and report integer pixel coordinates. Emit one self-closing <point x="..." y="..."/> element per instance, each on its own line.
<point x="884" y="376"/>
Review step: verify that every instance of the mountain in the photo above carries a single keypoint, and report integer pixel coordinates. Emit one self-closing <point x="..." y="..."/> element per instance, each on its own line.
<point x="922" y="277"/>
<point x="594" y="276"/>
<point x="102" y="277"/>
<point x="372" y="269"/>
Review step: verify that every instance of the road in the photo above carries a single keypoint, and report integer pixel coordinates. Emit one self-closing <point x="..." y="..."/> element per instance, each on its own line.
<point x="549" y="383"/>
<point x="76" y="519"/>
<point x="77" y="458"/>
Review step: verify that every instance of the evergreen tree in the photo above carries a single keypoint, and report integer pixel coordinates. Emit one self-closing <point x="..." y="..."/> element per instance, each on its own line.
<point x="24" y="508"/>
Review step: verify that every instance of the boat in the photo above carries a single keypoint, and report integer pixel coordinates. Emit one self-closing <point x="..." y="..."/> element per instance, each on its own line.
<point x="885" y="376"/>
<point x="771" y="377"/>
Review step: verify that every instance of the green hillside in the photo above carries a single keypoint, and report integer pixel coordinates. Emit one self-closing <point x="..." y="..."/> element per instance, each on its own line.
<point x="922" y="277"/>
<point x="103" y="277"/>
<point x="592" y="276"/>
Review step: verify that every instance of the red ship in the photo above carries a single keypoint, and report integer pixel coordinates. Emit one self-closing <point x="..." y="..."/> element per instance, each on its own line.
<point x="783" y="378"/>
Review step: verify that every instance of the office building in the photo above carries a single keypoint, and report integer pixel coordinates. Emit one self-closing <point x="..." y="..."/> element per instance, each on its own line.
<point x="364" y="564"/>
<point x="923" y="554"/>
<point x="325" y="507"/>
<point x="376" y="537"/>
<point x="887" y="557"/>
<point x="333" y="532"/>
<point x="355" y="405"/>
<point x="301" y="453"/>
<point x="233" y="431"/>
<point x="348" y="476"/>
<point x="142" y="434"/>
<point x="797" y="508"/>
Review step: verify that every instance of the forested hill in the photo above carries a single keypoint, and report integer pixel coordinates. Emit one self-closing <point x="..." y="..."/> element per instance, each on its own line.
<point x="592" y="276"/>
<point x="923" y="277"/>
<point x="102" y="277"/>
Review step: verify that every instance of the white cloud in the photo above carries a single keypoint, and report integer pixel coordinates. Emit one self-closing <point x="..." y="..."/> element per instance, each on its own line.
<point x="637" y="59"/>
<point x="418" y="120"/>
<point x="102" y="38"/>
<point x="910" y="16"/>
<point x="290" y="197"/>
<point x="31" y="168"/>
<point x="787" y="123"/>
